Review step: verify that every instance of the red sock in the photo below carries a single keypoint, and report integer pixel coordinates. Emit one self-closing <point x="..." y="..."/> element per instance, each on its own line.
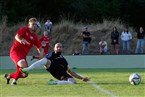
<point x="18" y="74"/>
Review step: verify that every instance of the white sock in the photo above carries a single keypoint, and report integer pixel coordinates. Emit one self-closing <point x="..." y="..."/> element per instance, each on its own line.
<point x="69" y="81"/>
<point x="41" y="62"/>
<point x="64" y="82"/>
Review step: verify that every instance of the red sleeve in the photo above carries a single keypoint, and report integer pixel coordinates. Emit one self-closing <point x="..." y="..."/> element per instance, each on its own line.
<point x="22" y="31"/>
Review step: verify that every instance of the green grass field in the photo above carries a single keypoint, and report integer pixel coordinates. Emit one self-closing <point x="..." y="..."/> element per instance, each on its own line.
<point x="105" y="83"/>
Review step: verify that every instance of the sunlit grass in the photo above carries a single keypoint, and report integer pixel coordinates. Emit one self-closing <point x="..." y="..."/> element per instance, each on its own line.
<point x="113" y="80"/>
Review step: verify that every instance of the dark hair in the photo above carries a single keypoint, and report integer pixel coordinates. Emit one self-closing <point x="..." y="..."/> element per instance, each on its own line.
<point x="115" y="28"/>
<point x="126" y="29"/>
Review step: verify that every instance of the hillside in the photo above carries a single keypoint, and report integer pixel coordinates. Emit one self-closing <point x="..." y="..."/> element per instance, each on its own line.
<point x="68" y="33"/>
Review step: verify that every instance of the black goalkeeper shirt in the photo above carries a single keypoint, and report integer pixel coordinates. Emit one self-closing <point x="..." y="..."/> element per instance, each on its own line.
<point x="58" y="67"/>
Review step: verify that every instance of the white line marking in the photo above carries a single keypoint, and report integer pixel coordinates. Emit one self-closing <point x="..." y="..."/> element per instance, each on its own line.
<point x="102" y="89"/>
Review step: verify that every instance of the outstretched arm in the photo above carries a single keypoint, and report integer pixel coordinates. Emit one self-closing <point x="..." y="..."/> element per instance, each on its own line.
<point x="41" y="51"/>
<point x="74" y="74"/>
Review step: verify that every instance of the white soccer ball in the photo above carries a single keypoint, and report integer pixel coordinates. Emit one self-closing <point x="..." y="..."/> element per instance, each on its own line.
<point x="135" y="79"/>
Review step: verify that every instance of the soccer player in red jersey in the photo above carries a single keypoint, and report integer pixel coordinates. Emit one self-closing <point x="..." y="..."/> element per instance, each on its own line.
<point x="25" y="38"/>
<point x="45" y="38"/>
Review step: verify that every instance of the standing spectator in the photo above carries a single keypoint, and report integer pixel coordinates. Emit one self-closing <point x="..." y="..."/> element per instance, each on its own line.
<point x="25" y="38"/>
<point x="115" y="40"/>
<point x="103" y="49"/>
<point x="140" y="41"/>
<point x="48" y="26"/>
<point x="86" y="41"/>
<point x="126" y="37"/>
<point x="45" y="38"/>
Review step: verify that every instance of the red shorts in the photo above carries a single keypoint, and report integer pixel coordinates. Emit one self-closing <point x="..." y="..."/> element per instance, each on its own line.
<point x="17" y="54"/>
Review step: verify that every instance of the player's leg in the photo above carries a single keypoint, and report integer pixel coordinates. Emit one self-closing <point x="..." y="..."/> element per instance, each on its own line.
<point x="19" y="58"/>
<point x="18" y="74"/>
<point x="38" y="63"/>
<point x="68" y="81"/>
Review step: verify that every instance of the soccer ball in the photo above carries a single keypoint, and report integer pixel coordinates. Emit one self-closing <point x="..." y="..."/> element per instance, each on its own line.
<point x="135" y="79"/>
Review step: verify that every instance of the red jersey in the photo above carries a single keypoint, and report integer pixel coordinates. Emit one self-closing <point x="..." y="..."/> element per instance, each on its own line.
<point x="28" y="36"/>
<point x="47" y="40"/>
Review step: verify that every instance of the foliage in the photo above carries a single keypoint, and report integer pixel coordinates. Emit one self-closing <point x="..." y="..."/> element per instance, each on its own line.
<point x="130" y="11"/>
<point x="69" y="34"/>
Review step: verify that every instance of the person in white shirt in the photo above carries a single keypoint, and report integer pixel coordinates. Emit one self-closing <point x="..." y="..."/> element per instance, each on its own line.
<point x="48" y="26"/>
<point x="126" y="37"/>
<point x="103" y="46"/>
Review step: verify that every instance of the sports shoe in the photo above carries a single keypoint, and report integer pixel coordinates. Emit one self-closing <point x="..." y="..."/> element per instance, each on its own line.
<point x="52" y="82"/>
<point x="7" y="78"/>
<point x="24" y="70"/>
<point x="14" y="83"/>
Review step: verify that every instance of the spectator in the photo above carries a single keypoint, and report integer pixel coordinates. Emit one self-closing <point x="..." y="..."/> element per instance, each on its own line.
<point x="126" y="37"/>
<point x="140" y="41"/>
<point x="48" y="26"/>
<point x="103" y="49"/>
<point x="86" y="41"/>
<point x="115" y="40"/>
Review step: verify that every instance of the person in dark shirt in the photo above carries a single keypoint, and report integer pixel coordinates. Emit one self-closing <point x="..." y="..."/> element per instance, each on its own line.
<point x="115" y="40"/>
<point x="86" y="41"/>
<point x="58" y="67"/>
<point x="140" y="41"/>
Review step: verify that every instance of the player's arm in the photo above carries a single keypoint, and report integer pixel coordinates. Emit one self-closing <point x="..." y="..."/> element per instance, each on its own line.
<point x="74" y="74"/>
<point x="42" y="53"/>
<point x="21" y="40"/>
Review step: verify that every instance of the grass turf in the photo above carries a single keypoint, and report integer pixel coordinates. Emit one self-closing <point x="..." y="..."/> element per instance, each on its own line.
<point x="115" y="81"/>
